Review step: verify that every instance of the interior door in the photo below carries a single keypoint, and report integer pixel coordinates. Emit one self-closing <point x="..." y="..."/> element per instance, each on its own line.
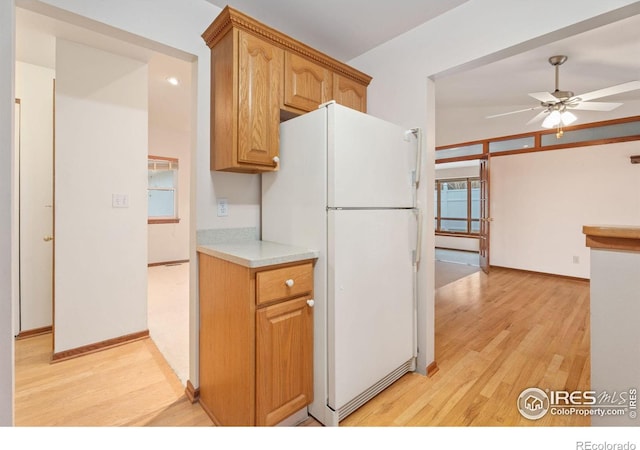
<point x="15" y="225"/>
<point x="36" y="207"/>
<point x="485" y="219"/>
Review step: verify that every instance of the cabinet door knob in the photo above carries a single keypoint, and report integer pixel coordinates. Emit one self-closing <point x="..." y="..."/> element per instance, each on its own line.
<point x="310" y="302"/>
<point x="289" y="282"/>
<point x="276" y="160"/>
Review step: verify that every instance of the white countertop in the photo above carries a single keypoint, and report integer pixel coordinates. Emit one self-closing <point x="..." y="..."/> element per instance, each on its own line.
<point x="257" y="253"/>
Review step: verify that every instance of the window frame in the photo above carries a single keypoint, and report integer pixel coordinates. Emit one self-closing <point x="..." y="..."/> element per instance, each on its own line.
<point x="468" y="220"/>
<point x="538" y="139"/>
<point x="165" y="219"/>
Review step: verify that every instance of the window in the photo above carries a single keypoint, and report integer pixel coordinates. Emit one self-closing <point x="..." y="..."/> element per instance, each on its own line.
<point x="457" y="206"/>
<point x="595" y="133"/>
<point x="162" y="190"/>
<point x="459" y="151"/>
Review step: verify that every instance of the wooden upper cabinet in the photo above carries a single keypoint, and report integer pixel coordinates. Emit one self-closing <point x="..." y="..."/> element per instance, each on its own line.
<point x="349" y="93"/>
<point x="260" y="76"/>
<point x="306" y="84"/>
<point x="260" y="90"/>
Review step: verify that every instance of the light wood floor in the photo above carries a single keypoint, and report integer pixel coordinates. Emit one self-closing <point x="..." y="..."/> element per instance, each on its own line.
<point x="495" y="336"/>
<point x="129" y="385"/>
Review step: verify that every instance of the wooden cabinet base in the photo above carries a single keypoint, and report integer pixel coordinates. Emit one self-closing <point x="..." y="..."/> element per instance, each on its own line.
<point x="284" y="362"/>
<point x="256" y="360"/>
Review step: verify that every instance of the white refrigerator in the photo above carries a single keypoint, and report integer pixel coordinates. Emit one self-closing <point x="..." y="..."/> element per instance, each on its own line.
<point x="346" y="187"/>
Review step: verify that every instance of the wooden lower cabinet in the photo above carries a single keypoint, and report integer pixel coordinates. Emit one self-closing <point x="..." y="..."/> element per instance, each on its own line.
<point x="256" y="360"/>
<point x="284" y="360"/>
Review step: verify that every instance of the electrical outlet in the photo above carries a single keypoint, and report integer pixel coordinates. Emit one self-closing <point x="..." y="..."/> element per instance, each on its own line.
<point x="576" y="259"/>
<point x="223" y="207"/>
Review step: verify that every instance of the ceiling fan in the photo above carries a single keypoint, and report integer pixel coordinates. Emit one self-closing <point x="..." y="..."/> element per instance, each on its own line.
<point x="556" y="105"/>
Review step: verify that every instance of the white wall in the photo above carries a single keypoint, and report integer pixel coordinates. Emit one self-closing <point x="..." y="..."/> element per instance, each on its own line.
<point x="400" y="91"/>
<point x="540" y="201"/>
<point x="170" y="135"/>
<point x="458" y="243"/>
<point x="457" y="170"/>
<point x="34" y="88"/>
<point x="170" y="241"/>
<point x="178" y="25"/>
<point x="101" y="149"/>
<point x="8" y="261"/>
<point x="615" y="360"/>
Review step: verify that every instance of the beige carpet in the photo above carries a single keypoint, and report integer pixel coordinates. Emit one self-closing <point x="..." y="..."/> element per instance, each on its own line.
<point x="447" y="272"/>
<point x="168" y="315"/>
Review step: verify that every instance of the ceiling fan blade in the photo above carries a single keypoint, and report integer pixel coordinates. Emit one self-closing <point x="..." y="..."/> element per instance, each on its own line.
<point x="538" y="116"/>
<point x="514" y="112"/>
<point x="544" y="97"/>
<point x="611" y="90"/>
<point x="595" y="106"/>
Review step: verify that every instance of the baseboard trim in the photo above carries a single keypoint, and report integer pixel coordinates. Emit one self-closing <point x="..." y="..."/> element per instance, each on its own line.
<point x="533" y="272"/>
<point x="99" y="346"/>
<point x="432" y="369"/>
<point x="167" y="263"/>
<point x="206" y="409"/>
<point x="191" y="392"/>
<point x="34" y="332"/>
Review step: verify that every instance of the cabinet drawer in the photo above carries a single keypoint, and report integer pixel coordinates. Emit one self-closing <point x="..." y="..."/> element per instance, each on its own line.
<point x="282" y="283"/>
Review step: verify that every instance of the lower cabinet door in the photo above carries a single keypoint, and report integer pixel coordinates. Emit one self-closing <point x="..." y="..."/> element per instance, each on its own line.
<point x="284" y="359"/>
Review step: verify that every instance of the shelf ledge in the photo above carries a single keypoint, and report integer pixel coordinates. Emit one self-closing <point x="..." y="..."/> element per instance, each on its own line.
<point x="613" y="237"/>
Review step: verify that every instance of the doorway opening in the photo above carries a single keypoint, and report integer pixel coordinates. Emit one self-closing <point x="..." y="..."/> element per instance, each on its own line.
<point x="457" y="217"/>
<point x="168" y="126"/>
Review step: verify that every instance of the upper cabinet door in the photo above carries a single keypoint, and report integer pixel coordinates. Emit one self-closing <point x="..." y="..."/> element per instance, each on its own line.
<point x="349" y="93"/>
<point x="306" y="84"/>
<point x="250" y="94"/>
<point x="260" y="91"/>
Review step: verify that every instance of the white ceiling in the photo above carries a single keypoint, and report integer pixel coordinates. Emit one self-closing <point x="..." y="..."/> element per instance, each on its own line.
<point x="169" y="106"/>
<point x="343" y="29"/>
<point x="597" y="58"/>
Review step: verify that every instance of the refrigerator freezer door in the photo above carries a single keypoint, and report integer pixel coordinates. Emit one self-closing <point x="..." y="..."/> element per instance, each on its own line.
<point x="370" y="163"/>
<point x="370" y="298"/>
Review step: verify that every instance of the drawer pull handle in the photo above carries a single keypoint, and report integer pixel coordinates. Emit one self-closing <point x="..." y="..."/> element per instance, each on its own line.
<point x="310" y="302"/>
<point x="289" y="282"/>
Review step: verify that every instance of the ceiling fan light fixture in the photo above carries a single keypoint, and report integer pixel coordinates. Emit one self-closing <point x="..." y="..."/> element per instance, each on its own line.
<point x="568" y="118"/>
<point x="553" y="105"/>
<point x="556" y="117"/>
<point x="552" y="120"/>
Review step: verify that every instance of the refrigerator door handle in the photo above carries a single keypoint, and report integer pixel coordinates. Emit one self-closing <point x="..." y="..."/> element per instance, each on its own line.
<point x="417" y="132"/>
<point x="418" y="251"/>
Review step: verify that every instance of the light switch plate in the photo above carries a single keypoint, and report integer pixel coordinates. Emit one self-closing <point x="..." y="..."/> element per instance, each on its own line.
<point x="119" y="200"/>
<point x="223" y="207"/>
